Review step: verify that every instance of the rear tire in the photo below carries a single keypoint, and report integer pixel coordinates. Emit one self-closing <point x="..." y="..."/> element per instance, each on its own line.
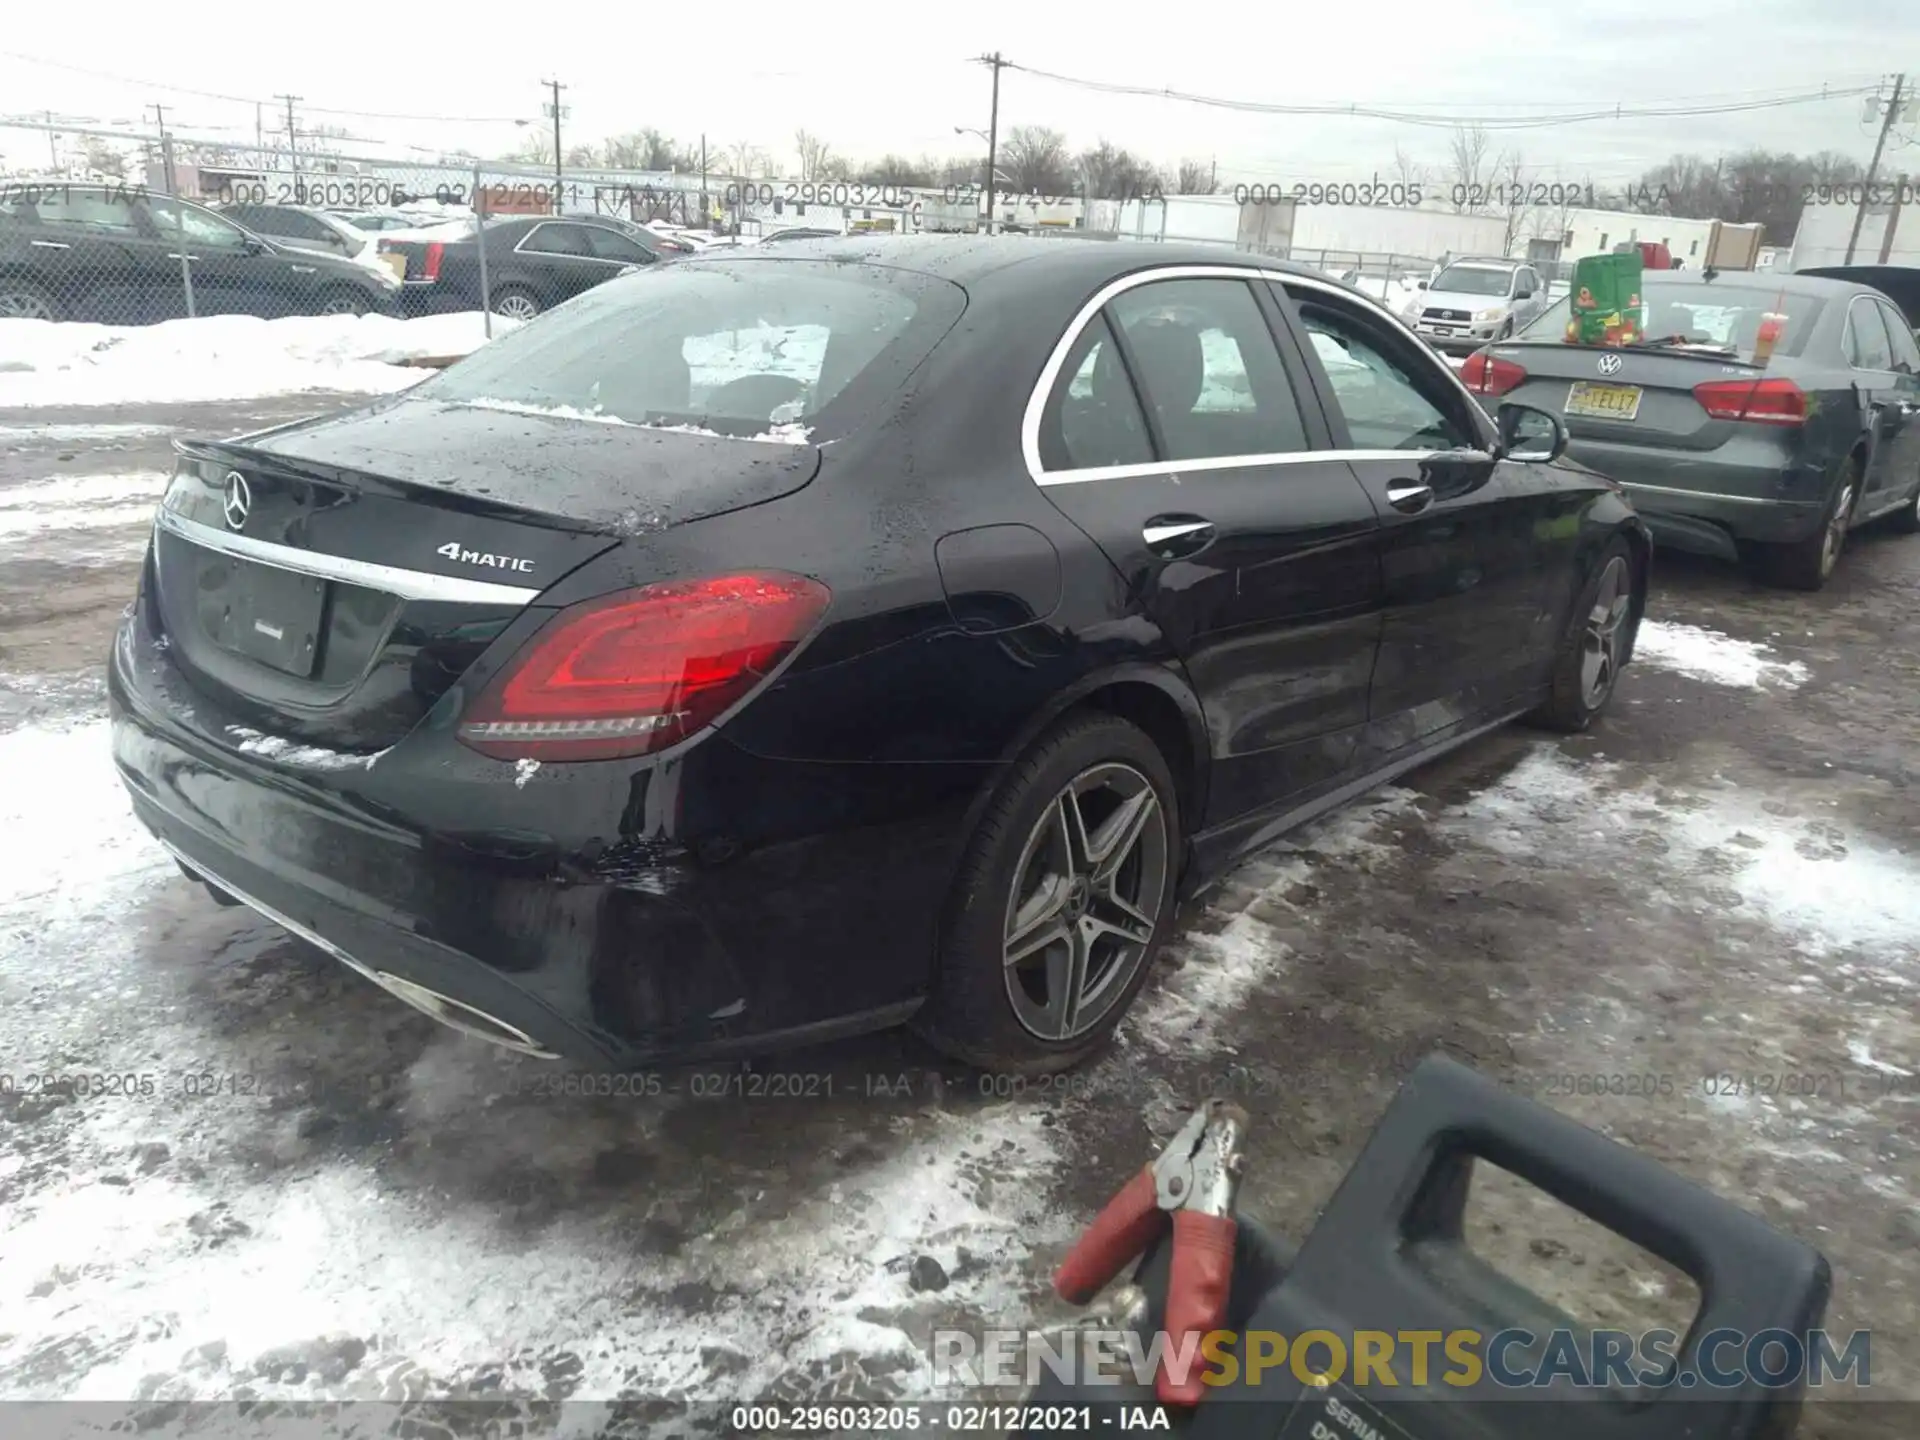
<point x="1808" y="564"/>
<point x="23" y="300"/>
<point x="341" y="300"/>
<point x="1907" y="518"/>
<point x="1072" y="871"/>
<point x="516" y="302"/>
<point x="1599" y="637"/>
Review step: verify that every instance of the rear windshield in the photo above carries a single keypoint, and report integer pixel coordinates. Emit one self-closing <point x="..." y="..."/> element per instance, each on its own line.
<point x="1707" y="313"/>
<point x="794" y="350"/>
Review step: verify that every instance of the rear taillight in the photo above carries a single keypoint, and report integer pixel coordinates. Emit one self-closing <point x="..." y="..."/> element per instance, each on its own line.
<point x="638" y="671"/>
<point x="1773" y="401"/>
<point x="1486" y="374"/>
<point x="430" y="267"/>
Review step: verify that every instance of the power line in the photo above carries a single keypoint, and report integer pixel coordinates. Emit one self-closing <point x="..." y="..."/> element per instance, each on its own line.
<point x="255" y="99"/>
<point x="1490" y="122"/>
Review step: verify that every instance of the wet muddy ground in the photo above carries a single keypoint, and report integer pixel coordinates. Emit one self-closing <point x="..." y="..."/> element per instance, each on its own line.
<point x="1696" y="928"/>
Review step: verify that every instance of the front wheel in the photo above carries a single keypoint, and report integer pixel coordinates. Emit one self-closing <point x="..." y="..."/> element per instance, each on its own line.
<point x="343" y="301"/>
<point x="22" y="300"/>
<point x="1596" y="645"/>
<point x="1061" y="903"/>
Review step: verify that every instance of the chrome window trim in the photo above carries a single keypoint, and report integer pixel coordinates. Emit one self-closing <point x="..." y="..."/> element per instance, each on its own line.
<point x="1846" y="339"/>
<point x="521" y="248"/>
<point x="1050" y="373"/>
<point x="407" y="584"/>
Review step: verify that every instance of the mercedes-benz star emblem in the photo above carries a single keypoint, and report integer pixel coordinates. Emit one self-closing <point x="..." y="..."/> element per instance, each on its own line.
<point x="239" y="500"/>
<point x="1609" y="365"/>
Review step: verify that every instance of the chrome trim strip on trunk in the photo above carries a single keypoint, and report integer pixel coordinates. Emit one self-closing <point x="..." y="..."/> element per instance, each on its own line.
<point x="407" y="584"/>
<point x="428" y="1002"/>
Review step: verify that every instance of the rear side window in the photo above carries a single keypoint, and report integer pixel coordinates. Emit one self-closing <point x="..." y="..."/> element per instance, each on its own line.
<point x="556" y="240"/>
<point x="87" y="209"/>
<point x="1905" y="350"/>
<point x="1093" y="418"/>
<point x="1208" y="369"/>
<point x="1868" y="346"/>
<point x="735" y="347"/>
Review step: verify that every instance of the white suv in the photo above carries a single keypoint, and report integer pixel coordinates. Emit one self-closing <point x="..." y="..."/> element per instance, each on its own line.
<point x="1472" y="302"/>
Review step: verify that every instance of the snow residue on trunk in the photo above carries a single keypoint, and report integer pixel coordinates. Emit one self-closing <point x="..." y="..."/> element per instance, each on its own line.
<point x="1194" y="1004"/>
<point x="1711" y="656"/>
<point x="785" y="433"/>
<point x="223" y="357"/>
<point x="292" y="752"/>
<point x="1822" y="890"/>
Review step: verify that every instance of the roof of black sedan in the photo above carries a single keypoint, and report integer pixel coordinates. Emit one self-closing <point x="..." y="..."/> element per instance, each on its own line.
<point x="966" y="259"/>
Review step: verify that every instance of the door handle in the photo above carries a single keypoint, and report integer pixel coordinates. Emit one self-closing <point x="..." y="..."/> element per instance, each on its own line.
<point x="1173" y="537"/>
<point x="304" y="269"/>
<point x="176" y="255"/>
<point x="1409" y="496"/>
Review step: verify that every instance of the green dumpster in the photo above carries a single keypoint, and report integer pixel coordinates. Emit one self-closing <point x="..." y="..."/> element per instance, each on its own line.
<point x="1606" y="306"/>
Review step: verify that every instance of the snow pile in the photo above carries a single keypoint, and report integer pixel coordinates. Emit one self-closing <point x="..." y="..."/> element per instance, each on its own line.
<point x="224" y="357"/>
<point x="1708" y="655"/>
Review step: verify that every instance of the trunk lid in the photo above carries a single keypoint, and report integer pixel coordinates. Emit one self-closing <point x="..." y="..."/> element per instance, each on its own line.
<point x="1661" y="411"/>
<point x="377" y="554"/>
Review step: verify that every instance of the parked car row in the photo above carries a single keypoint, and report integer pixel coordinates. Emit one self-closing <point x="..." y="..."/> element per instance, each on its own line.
<point x="121" y="255"/>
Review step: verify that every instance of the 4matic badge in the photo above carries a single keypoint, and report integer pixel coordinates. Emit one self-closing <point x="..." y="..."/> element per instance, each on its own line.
<point x="453" y="550"/>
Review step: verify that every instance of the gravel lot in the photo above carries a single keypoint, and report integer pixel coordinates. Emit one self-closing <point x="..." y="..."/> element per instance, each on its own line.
<point x="327" y="1196"/>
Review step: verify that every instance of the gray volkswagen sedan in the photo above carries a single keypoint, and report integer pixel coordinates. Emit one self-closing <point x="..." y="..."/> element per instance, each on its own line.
<point x="1760" y="417"/>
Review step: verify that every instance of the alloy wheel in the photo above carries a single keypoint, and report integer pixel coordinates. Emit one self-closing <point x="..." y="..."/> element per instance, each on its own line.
<point x="1605" y="625"/>
<point x="516" y="307"/>
<point x="1836" y="535"/>
<point x="23" y="305"/>
<point x="1087" y="894"/>
<point x="342" y="305"/>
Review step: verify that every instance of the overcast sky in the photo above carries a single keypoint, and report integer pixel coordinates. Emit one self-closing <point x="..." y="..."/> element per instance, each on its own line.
<point x="874" y="77"/>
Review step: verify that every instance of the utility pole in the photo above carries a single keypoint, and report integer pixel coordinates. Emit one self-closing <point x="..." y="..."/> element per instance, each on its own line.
<point x="1873" y="165"/>
<point x="553" y="108"/>
<point x="166" y="148"/>
<point x="53" y="142"/>
<point x="293" y="148"/>
<point x="1213" y="176"/>
<point x="706" y="207"/>
<point x="993" y="129"/>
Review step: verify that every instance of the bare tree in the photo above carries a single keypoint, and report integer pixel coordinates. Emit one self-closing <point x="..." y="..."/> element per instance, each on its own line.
<point x="745" y="159"/>
<point x="813" y="153"/>
<point x="1035" y="161"/>
<point x="1194" y="177"/>
<point x="102" y="158"/>
<point x="1469" y="170"/>
<point x="895" y="170"/>
<point x="1515" y="193"/>
<point x="533" y="148"/>
<point x="1410" y="176"/>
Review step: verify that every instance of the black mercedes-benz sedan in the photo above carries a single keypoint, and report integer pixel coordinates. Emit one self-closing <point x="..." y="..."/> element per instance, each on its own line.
<point x="792" y="642"/>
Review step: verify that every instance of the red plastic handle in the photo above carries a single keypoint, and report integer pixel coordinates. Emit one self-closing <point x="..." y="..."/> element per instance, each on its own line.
<point x="1196" y="1296"/>
<point x="1118" y="1233"/>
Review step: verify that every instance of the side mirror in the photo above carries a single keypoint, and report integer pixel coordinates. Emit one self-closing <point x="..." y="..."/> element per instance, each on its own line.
<point x="1529" y="435"/>
<point x="1420" y="284"/>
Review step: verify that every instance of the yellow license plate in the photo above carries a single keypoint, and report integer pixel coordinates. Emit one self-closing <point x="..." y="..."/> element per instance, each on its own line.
<point x="1603" y="402"/>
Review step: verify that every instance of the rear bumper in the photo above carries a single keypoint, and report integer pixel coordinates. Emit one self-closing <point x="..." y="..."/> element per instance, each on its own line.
<point x="1710" y="501"/>
<point x="617" y="912"/>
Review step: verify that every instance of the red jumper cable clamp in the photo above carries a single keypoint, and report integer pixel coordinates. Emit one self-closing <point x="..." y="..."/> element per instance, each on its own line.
<point x="1194" y="1181"/>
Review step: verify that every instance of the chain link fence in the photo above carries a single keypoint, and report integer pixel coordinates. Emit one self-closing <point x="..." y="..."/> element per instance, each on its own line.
<point x="173" y="228"/>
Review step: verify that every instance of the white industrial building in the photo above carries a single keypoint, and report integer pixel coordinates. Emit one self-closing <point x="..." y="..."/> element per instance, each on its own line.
<point x="1889" y="230"/>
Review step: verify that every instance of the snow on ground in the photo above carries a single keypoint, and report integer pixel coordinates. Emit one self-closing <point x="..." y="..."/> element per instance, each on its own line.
<point x="1703" y="654"/>
<point x="1821" y="890"/>
<point x="150" y="1255"/>
<point x="81" y="502"/>
<point x="223" y="357"/>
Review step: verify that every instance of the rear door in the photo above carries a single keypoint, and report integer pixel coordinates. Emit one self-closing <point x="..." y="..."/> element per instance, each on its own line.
<point x="232" y="275"/>
<point x="1899" y="420"/>
<point x="1173" y="436"/>
<point x="560" y="253"/>
<point x="1886" y="397"/>
<point x="1461" y="559"/>
<point x="104" y="266"/>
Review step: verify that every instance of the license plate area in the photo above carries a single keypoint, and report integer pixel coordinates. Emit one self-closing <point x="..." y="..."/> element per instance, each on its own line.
<point x="269" y="615"/>
<point x="1603" y="402"/>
